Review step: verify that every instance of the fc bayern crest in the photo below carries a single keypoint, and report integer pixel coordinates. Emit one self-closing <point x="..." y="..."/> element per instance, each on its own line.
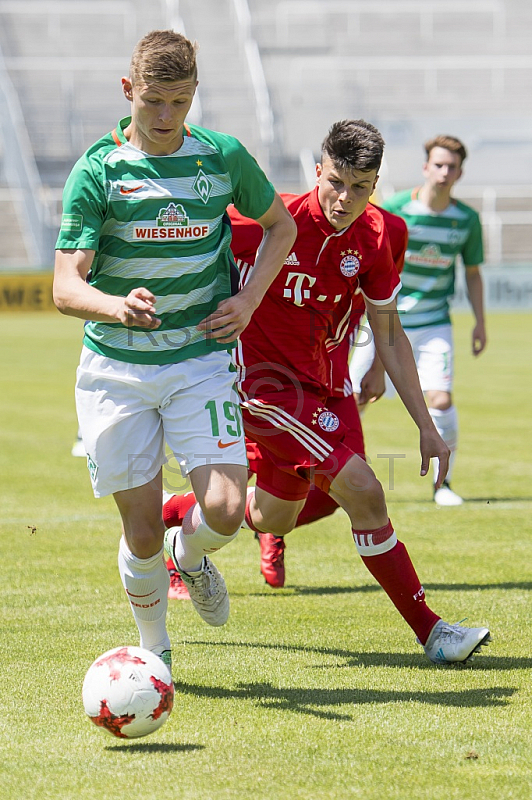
<point x="328" y="421"/>
<point x="349" y="266"/>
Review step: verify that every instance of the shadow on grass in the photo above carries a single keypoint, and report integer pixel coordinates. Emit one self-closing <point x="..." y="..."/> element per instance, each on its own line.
<point x="489" y="500"/>
<point x="482" y="662"/>
<point x="318" y="702"/>
<point x="154" y="747"/>
<point x="473" y="587"/>
<point x="373" y="587"/>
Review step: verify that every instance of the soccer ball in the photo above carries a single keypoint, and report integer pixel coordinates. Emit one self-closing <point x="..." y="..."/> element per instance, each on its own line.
<point x="128" y="692"/>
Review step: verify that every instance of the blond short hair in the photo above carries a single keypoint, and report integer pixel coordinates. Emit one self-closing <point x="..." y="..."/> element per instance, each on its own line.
<point x="163" y="56"/>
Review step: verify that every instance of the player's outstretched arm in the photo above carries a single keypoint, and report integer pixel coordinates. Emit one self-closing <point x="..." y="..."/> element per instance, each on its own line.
<point x="395" y="352"/>
<point x="232" y="315"/>
<point x="76" y="298"/>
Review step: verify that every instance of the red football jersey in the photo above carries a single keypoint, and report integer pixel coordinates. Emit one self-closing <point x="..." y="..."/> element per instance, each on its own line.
<point x="340" y="380"/>
<point x="306" y="311"/>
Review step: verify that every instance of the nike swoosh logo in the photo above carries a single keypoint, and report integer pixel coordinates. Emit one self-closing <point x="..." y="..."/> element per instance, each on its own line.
<point x="123" y="189"/>
<point x="221" y="444"/>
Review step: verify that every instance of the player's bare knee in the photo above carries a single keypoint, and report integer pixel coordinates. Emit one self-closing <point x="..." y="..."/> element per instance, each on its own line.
<point x="225" y="516"/>
<point x="360" y="493"/>
<point x="376" y="499"/>
<point x="440" y="401"/>
<point x="279" y="526"/>
<point x="368" y="493"/>
<point x="356" y="480"/>
<point x="441" y="405"/>
<point x="145" y="540"/>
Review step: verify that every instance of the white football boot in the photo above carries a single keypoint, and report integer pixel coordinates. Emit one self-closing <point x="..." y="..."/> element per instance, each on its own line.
<point x="207" y="590"/>
<point x="208" y="593"/>
<point x="452" y="644"/>
<point x="78" y="449"/>
<point x="444" y="496"/>
<point x="166" y="658"/>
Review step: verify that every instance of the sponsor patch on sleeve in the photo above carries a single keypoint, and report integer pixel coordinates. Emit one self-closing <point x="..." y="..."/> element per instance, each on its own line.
<point x="71" y="222"/>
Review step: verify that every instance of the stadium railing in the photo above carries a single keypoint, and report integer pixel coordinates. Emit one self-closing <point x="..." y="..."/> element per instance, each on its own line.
<point x="22" y="174"/>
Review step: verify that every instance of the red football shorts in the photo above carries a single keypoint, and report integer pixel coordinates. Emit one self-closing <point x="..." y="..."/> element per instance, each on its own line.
<point x="295" y="440"/>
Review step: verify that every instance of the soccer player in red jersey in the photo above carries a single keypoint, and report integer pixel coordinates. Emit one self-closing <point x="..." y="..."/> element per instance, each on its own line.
<point x="318" y="503"/>
<point x="284" y="355"/>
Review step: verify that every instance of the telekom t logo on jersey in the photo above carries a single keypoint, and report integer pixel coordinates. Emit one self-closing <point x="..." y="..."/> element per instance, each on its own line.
<point x="297" y="292"/>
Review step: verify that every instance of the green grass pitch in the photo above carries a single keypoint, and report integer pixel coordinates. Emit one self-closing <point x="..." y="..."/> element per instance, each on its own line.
<point x="314" y="691"/>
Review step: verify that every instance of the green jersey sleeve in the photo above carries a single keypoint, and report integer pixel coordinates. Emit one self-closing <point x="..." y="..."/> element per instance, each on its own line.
<point x="473" y="252"/>
<point x="84" y="205"/>
<point x="252" y="191"/>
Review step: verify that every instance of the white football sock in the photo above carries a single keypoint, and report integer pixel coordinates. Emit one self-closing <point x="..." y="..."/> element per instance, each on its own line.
<point x="195" y="539"/>
<point x="446" y="423"/>
<point x="146" y="581"/>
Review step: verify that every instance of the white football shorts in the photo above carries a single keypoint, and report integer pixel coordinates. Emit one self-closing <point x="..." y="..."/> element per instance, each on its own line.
<point x="362" y="355"/>
<point x="432" y="347"/>
<point x="433" y="352"/>
<point x="127" y="411"/>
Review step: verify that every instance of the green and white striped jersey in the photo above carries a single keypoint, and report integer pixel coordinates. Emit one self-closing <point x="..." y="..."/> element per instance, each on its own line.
<point x="160" y="222"/>
<point x="434" y="241"/>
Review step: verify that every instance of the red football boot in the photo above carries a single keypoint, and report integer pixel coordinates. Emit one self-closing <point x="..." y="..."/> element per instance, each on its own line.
<point x="177" y="590"/>
<point x="272" y="558"/>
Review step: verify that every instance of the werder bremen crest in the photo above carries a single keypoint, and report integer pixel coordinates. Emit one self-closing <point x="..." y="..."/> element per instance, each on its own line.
<point x="203" y="186"/>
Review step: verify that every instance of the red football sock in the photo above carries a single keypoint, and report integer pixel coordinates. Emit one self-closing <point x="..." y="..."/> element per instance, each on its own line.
<point x="175" y="509"/>
<point x="388" y="561"/>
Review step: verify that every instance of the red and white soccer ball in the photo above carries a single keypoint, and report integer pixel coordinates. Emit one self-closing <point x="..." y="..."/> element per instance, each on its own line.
<point x="128" y="692"/>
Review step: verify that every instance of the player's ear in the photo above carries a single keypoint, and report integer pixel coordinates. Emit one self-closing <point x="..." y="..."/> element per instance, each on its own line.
<point x="319" y="171"/>
<point x="375" y="182"/>
<point x="127" y="88"/>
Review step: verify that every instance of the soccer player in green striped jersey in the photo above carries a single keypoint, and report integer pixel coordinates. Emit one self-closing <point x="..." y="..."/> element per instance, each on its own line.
<point x="440" y="228"/>
<point x="143" y="255"/>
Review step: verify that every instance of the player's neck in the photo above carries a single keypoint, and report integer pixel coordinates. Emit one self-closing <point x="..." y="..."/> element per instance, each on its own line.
<point x="135" y="137"/>
<point x="435" y="199"/>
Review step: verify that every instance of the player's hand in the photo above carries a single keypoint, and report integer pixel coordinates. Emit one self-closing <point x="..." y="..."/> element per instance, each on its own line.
<point x="138" y="309"/>
<point x="478" y="339"/>
<point x="431" y="445"/>
<point x="228" y="321"/>
<point x="372" y="386"/>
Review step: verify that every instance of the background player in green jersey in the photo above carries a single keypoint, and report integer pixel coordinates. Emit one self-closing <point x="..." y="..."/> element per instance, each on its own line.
<point x="440" y="228"/>
<point x="143" y="255"/>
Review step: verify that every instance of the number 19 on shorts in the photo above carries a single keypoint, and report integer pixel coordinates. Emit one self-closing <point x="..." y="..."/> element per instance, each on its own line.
<point x="226" y="421"/>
